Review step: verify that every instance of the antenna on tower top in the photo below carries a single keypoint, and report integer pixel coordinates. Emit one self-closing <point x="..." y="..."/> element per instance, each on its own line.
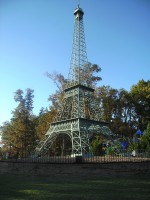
<point x="78" y="3"/>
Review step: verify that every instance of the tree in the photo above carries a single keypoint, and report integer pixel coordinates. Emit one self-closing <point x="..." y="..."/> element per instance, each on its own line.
<point x="43" y="120"/>
<point x="140" y="94"/>
<point x="145" y="140"/>
<point x="117" y="109"/>
<point x="8" y="137"/>
<point x="96" y="145"/>
<point x="107" y="97"/>
<point x="20" y="133"/>
<point x="29" y="101"/>
<point x="88" y="74"/>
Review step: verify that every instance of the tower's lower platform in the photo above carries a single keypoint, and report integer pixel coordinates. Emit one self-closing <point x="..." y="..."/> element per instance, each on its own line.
<point x="79" y="130"/>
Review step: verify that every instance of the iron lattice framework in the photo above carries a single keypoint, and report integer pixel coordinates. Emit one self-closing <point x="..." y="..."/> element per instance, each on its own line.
<point x="79" y="116"/>
<point x="79" y="56"/>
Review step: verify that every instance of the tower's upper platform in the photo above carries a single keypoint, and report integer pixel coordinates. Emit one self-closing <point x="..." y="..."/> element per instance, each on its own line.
<point x="78" y="13"/>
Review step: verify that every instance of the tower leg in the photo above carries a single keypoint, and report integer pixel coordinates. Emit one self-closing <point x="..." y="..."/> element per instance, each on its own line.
<point x="80" y="143"/>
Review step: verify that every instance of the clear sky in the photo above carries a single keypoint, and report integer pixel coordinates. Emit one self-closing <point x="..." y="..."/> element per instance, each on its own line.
<point x="36" y="37"/>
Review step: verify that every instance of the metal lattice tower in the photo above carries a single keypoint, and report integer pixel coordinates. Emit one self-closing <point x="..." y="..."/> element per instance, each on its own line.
<point x="79" y="116"/>
<point x="79" y="55"/>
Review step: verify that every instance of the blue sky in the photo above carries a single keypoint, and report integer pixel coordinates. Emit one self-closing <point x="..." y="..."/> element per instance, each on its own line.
<point x="36" y="37"/>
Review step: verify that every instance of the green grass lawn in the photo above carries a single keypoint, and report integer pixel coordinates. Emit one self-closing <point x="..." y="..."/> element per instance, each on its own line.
<point x="104" y="188"/>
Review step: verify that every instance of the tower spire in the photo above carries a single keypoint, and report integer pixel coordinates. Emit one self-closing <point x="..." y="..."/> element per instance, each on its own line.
<point x="77" y="73"/>
<point x="78" y="3"/>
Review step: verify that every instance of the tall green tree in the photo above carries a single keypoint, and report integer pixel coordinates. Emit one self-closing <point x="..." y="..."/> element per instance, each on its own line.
<point x="145" y="140"/>
<point x="20" y="133"/>
<point x="107" y="97"/>
<point x="140" y="94"/>
<point x="117" y="109"/>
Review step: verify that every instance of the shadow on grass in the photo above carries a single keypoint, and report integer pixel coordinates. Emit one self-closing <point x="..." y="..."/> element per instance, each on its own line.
<point x="73" y="188"/>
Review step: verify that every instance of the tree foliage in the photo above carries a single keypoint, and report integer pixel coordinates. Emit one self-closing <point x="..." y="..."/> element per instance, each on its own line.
<point x="43" y="121"/>
<point x="145" y="140"/>
<point x="140" y="94"/>
<point x="125" y="112"/>
<point x="88" y="74"/>
<point x="19" y="134"/>
<point x="96" y="145"/>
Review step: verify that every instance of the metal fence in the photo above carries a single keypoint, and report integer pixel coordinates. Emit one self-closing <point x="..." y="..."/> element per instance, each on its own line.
<point x="118" y="156"/>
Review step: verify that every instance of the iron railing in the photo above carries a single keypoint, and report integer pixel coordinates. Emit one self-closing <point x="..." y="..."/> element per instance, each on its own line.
<point x="117" y="156"/>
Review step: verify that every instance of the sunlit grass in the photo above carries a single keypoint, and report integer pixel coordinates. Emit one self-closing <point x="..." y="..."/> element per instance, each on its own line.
<point x="46" y="188"/>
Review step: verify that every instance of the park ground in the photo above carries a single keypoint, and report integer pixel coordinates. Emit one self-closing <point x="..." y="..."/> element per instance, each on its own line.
<point x="75" y="188"/>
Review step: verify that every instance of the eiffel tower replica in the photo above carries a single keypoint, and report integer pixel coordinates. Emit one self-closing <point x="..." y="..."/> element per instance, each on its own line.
<point x="80" y="116"/>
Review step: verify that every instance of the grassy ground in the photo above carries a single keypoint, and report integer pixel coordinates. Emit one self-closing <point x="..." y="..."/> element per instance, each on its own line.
<point x="46" y="188"/>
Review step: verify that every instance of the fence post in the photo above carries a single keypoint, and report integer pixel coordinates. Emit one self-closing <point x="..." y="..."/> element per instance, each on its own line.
<point x="78" y="159"/>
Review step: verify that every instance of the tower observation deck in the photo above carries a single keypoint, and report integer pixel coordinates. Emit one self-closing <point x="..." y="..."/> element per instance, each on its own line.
<point x="79" y="116"/>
